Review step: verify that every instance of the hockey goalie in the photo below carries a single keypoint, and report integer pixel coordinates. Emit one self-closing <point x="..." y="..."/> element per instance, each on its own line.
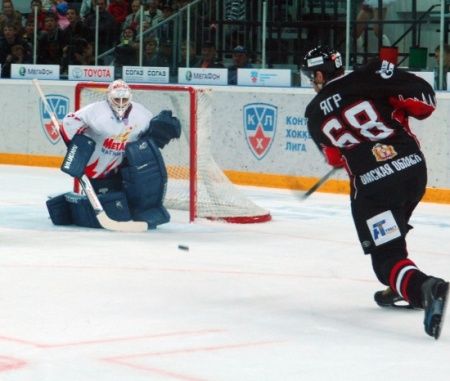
<point x="116" y="143"/>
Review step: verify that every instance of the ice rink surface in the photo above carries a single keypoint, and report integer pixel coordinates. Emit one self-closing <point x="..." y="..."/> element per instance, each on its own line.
<point x="288" y="300"/>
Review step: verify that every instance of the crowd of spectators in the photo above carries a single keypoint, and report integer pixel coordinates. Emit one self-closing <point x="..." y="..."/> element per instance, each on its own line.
<point x="66" y="30"/>
<point x="66" y="36"/>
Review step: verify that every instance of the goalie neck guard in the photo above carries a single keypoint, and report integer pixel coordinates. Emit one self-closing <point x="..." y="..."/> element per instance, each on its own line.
<point x="324" y="59"/>
<point x="119" y="97"/>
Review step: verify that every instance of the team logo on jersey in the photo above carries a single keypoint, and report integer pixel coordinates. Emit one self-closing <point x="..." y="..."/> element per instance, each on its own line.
<point x="60" y="107"/>
<point x="383" y="152"/>
<point x="260" y="123"/>
<point x="116" y="144"/>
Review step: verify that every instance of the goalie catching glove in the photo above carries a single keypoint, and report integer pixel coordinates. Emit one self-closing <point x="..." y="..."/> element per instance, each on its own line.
<point x="163" y="128"/>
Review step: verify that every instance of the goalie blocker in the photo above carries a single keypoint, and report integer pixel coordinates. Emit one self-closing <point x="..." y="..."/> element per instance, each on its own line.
<point x="136" y="193"/>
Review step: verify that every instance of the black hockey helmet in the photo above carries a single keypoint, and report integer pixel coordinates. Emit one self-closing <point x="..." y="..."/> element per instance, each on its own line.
<point x="324" y="59"/>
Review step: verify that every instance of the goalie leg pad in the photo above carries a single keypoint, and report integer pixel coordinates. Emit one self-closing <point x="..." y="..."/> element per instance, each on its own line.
<point x="114" y="203"/>
<point x="145" y="179"/>
<point x="153" y="216"/>
<point x="59" y="210"/>
<point x="78" y="154"/>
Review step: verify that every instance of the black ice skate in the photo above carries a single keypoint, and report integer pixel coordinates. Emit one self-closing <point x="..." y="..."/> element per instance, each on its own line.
<point x="389" y="298"/>
<point x="434" y="300"/>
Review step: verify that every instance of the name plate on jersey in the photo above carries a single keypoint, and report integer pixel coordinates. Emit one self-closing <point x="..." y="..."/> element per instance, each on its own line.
<point x="29" y="71"/>
<point x="264" y="77"/>
<point x="91" y="73"/>
<point x="139" y="74"/>
<point x="201" y="76"/>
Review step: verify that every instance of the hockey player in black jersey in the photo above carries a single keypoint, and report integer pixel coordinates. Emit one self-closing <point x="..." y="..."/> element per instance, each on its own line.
<point x="360" y="122"/>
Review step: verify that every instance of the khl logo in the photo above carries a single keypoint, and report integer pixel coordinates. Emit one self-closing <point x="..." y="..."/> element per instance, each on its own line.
<point x="60" y="106"/>
<point x="260" y="123"/>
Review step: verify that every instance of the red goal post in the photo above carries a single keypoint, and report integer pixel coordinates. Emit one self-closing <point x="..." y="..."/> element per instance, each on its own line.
<point x="196" y="183"/>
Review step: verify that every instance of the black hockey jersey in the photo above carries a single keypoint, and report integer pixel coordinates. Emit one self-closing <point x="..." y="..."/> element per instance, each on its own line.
<point x="365" y="115"/>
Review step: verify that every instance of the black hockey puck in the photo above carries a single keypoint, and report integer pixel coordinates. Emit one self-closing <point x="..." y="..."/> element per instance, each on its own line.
<point x="183" y="247"/>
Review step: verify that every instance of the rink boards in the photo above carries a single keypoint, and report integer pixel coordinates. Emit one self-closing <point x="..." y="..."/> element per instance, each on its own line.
<point x="285" y="158"/>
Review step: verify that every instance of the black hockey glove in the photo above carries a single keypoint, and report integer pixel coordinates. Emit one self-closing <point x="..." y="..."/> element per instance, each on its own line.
<point x="163" y="128"/>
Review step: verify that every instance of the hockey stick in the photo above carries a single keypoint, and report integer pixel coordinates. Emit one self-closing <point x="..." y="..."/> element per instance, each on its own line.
<point x="103" y="219"/>
<point x="319" y="183"/>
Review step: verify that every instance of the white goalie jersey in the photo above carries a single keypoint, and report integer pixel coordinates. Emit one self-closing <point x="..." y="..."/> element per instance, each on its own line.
<point x="111" y="135"/>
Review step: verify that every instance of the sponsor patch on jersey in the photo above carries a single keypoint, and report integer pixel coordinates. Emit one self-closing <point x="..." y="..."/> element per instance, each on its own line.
<point x="383" y="152"/>
<point x="60" y="107"/>
<point x="383" y="228"/>
<point x="260" y="123"/>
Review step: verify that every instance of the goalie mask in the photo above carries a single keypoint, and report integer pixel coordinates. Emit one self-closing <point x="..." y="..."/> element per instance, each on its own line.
<point x="119" y="97"/>
<point x="324" y="59"/>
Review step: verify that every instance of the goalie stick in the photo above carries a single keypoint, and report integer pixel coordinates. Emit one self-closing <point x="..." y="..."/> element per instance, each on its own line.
<point x="103" y="219"/>
<point x="318" y="184"/>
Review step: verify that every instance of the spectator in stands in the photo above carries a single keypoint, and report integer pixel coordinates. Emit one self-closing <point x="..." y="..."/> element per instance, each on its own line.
<point x="108" y="36"/>
<point x="17" y="55"/>
<point x="60" y="8"/>
<point x="47" y="5"/>
<point x="370" y="12"/>
<point x="164" y="56"/>
<point x="36" y="6"/>
<point x="240" y="61"/>
<point x="10" y="38"/>
<point x="150" y="51"/>
<point x="192" y="56"/>
<point x="126" y="53"/>
<point x="10" y="15"/>
<point x="235" y="11"/>
<point x="153" y="13"/>
<point x="128" y="37"/>
<point x="28" y="33"/>
<point x="133" y="19"/>
<point x="165" y="31"/>
<point x="76" y="29"/>
<point x="209" y="57"/>
<point x="79" y="52"/>
<point x="178" y="4"/>
<point x="446" y="65"/>
<point x="83" y="53"/>
<point x="51" y="41"/>
<point x="119" y="10"/>
<point x="86" y="8"/>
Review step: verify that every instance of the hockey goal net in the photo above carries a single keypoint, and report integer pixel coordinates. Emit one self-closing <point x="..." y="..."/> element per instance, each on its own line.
<point x="196" y="183"/>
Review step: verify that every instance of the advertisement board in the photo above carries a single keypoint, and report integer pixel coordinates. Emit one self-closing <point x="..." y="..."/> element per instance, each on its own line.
<point x="29" y="71"/>
<point x="143" y="74"/>
<point x="264" y="77"/>
<point x="200" y="76"/>
<point x="91" y="73"/>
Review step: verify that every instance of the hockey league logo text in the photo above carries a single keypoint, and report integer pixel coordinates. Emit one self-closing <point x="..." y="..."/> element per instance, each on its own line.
<point x="60" y="106"/>
<point x="260" y="122"/>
